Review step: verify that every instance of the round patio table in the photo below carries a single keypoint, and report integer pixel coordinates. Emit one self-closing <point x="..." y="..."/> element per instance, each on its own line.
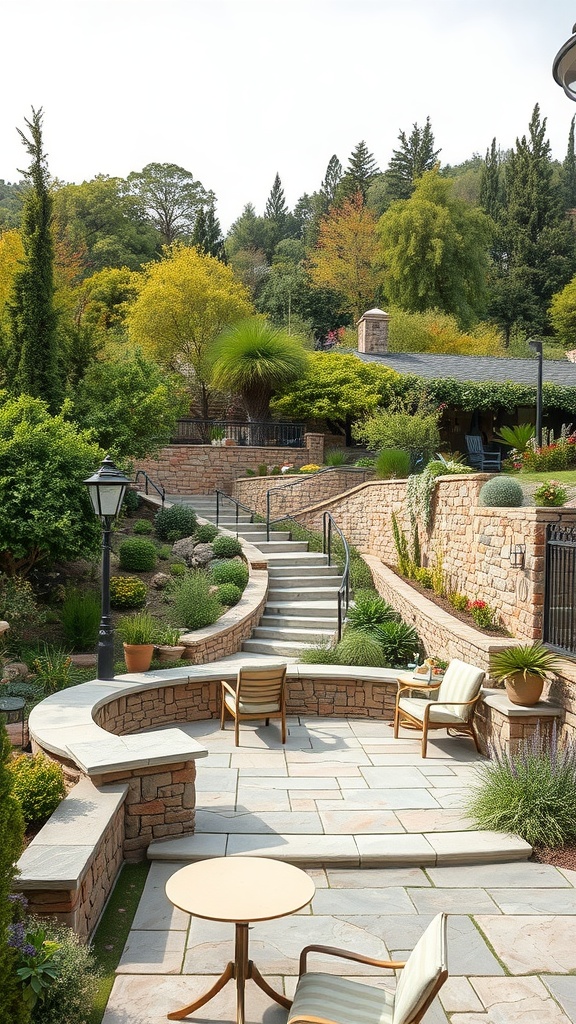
<point x="239" y="890"/>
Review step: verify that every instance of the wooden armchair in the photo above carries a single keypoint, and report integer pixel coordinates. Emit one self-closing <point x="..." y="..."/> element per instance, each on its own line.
<point x="453" y="707"/>
<point x="481" y="457"/>
<point x="259" y="693"/>
<point x="330" y="999"/>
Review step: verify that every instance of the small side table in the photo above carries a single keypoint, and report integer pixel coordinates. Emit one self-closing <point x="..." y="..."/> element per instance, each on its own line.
<point x="13" y="709"/>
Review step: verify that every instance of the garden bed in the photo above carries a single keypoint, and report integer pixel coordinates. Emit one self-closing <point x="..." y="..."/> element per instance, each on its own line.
<point x="445" y="605"/>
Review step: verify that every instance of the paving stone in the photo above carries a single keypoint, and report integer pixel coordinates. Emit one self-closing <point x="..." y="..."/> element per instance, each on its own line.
<point x="154" y="909"/>
<point x="477" y="846"/>
<point x="439" y="819"/>
<point x="395" y="849"/>
<point x="563" y="988"/>
<point x="457" y="996"/>
<point x="376" y="878"/>
<point x="267" y="823"/>
<point x="150" y="998"/>
<point x="468" y="953"/>
<point x="153" y="952"/>
<point x="452" y="901"/>
<point x="188" y="848"/>
<point x="223" y="780"/>
<point x="516" y="874"/>
<point x="347" y="902"/>
<point x="261" y="799"/>
<point x="395" y="778"/>
<point x="303" y="783"/>
<point x="375" y="799"/>
<point x="515" y="1000"/>
<point x="348" y="822"/>
<point x="534" y="901"/>
<point x="297" y="849"/>
<point x="530" y="945"/>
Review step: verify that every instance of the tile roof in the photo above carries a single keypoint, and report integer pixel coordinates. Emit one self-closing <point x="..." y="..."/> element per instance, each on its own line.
<point x="475" y="368"/>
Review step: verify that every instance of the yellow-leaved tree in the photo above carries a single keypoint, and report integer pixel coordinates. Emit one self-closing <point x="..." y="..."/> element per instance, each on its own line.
<point x="11" y="255"/>
<point x="184" y="301"/>
<point x="347" y="257"/>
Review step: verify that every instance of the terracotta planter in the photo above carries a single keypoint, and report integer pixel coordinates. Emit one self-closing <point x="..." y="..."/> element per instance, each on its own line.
<point x="524" y="689"/>
<point x="167" y="654"/>
<point x="138" y="656"/>
<point x="229" y="442"/>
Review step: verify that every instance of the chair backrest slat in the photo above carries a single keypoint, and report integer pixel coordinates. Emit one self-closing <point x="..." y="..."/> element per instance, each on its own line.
<point x="462" y="682"/>
<point x="261" y="686"/>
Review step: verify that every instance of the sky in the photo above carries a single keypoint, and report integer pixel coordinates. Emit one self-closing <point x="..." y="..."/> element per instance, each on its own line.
<point x="238" y="90"/>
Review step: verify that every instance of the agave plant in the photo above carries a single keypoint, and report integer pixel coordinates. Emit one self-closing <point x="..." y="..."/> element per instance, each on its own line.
<point x="527" y="659"/>
<point x="369" y="610"/>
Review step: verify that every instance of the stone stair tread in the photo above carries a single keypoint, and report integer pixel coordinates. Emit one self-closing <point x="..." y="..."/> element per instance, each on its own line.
<point x="297" y="621"/>
<point x="277" y="647"/>
<point x="308" y="636"/>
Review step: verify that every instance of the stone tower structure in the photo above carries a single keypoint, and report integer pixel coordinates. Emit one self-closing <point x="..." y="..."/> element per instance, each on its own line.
<point x="373" y="332"/>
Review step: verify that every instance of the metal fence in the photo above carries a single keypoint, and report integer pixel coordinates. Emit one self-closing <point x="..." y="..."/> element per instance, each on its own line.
<point x="256" y="434"/>
<point x="559" y="595"/>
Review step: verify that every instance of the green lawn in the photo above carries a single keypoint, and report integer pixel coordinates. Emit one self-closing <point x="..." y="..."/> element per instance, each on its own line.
<point x="563" y="476"/>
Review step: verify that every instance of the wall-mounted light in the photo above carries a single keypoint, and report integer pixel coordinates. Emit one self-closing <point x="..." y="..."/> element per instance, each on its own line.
<point x="517" y="556"/>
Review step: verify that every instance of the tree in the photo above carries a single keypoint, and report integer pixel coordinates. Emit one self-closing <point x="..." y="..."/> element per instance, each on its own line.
<point x="347" y="256"/>
<point x="568" y="176"/>
<point x="184" y="302"/>
<point x="103" y="225"/>
<point x="435" y="251"/>
<point x="331" y="180"/>
<point x="250" y="233"/>
<point x="34" y="366"/>
<point x="284" y="292"/>
<point x="415" y="155"/>
<point x="171" y="197"/>
<point x="11" y="257"/>
<point x="491" y="185"/>
<point x="131" y="405"/>
<point x="12" y="1007"/>
<point x="254" y="360"/>
<point x="361" y="171"/>
<point x="45" y="512"/>
<point x="207" y="236"/>
<point x="538" y="251"/>
<point x="563" y="314"/>
<point x="276" y="208"/>
<point x="337" y="389"/>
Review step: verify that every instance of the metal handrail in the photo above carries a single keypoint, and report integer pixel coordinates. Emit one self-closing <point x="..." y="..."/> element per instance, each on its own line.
<point x="238" y="504"/>
<point x="329" y="524"/>
<point x="159" y="490"/>
<point x="299" y="482"/>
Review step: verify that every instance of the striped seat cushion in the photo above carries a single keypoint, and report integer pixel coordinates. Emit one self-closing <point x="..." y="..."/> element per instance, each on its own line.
<point x="344" y="1002"/>
<point x="415" y="706"/>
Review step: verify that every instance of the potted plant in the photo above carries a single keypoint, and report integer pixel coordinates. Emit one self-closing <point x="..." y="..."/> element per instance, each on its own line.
<point x="217" y="435"/>
<point x="522" y="670"/>
<point x="138" y="633"/>
<point x="168" y="647"/>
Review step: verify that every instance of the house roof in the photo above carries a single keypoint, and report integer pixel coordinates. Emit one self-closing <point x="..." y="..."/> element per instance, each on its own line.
<point x="475" y="368"/>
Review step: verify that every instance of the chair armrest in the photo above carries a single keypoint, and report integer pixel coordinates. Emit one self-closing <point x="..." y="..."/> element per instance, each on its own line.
<point x="226" y="686"/>
<point x="449" y="704"/>
<point x="392" y="965"/>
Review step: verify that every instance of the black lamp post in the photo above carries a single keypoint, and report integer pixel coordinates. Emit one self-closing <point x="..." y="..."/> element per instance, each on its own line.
<point x="535" y="344"/>
<point x="564" y="67"/>
<point x="106" y="488"/>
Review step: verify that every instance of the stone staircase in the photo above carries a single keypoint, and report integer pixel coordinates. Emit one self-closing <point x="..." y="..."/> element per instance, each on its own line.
<point x="302" y="605"/>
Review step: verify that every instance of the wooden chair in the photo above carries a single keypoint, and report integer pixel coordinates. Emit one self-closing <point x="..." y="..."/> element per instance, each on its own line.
<point x="453" y="706"/>
<point x="259" y="693"/>
<point x="330" y="999"/>
<point x="481" y="457"/>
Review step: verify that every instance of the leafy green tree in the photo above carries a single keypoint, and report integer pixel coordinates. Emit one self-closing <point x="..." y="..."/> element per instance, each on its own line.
<point x="435" y="251"/>
<point x="184" y="302"/>
<point x="347" y="258"/>
<point x="12" y="1007"/>
<point x="285" y="289"/>
<point x="404" y="424"/>
<point x="207" y="236"/>
<point x="250" y="233"/>
<point x="171" y="197"/>
<point x="563" y="314"/>
<point x="104" y="225"/>
<point x="10" y="204"/>
<point x="45" y="512"/>
<point x="131" y="405"/>
<point x="254" y="360"/>
<point x="360" y="172"/>
<point x="415" y="155"/>
<point x="34" y="365"/>
<point x="337" y="389"/>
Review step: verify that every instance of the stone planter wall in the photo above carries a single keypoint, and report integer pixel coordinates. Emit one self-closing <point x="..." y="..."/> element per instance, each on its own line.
<point x="202" y="469"/>
<point x="291" y="493"/>
<point x="231" y="629"/>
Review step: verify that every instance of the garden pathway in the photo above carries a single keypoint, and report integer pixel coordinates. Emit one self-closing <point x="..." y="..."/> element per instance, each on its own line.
<point x="512" y="955"/>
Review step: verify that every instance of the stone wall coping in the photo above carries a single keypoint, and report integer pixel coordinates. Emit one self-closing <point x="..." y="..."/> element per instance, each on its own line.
<point x="60" y="854"/>
<point x="498" y="700"/>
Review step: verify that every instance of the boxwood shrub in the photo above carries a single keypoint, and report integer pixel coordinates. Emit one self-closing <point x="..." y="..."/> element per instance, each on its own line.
<point x="232" y="571"/>
<point x="38" y="785"/>
<point x="175" y="522"/>
<point x="137" y="555"/>
<point x="226" y="547"/>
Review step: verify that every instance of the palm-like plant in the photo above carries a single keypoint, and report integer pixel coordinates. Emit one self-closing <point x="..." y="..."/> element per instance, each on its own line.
<point x="254" y="359"/>
<point x="527" y="659"/>
<point x="518" y="437"/>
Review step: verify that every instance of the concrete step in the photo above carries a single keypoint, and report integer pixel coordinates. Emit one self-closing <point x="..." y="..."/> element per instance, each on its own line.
<point x="303" y="609"/>
<point x="294" y="558"/>
<point x="283" y="648"/>
<point x="306" y="636"/>
<point x="302" y="594"/>
<point x="299" y="622"/>
<point x="300" y="571"/>
<point x="275" y="547"/>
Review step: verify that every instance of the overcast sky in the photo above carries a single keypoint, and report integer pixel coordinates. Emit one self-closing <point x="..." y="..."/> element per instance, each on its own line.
<point x="236" y="90"/>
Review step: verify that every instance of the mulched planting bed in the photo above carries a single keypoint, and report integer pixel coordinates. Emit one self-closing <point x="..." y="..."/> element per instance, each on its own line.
<point x="444" y="603"/>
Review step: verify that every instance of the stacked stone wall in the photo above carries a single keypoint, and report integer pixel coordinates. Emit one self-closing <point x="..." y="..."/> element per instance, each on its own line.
<point x="296" y="493"/>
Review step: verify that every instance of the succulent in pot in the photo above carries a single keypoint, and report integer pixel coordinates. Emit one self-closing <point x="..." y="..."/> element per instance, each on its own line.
<point x="522" y="670"/>
<point x="139" y="633"/>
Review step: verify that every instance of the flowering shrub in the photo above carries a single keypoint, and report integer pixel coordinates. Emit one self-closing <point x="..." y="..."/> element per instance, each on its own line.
<point x="459" y="601"/>
<point x="311" y="467"/>
<point x="484" y="616"/>
<point x="553" y="454"/>
<point x="127" y="592"/>
<point x="550" y="493"/>
<point x="286" y="467"/>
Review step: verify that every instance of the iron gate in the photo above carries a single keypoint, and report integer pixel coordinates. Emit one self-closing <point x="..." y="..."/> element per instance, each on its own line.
<point x="560" y="589"/>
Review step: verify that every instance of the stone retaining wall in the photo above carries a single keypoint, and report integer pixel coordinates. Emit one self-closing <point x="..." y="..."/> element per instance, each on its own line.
<point x="231" y="629"/>
<point x="202" y="469"/>
<point x="289" y="494"/>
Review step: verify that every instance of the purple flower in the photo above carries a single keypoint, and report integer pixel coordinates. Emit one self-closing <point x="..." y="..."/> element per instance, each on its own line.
<point x="28" y="949"/>
<point x="16" y="934"/>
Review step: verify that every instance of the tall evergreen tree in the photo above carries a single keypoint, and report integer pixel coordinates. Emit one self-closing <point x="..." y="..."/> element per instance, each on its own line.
<point x="331" y="180"/>
<point x="207" y="236"/>
<point x="491" y="194"/>
<point x="360" y="173"/>
<point x="408" y="163"/>
<point x="538" y="242"/>
<point x="33" y="365"/>
<point x="276" y="208"/>
<point x="568" y="176"/>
